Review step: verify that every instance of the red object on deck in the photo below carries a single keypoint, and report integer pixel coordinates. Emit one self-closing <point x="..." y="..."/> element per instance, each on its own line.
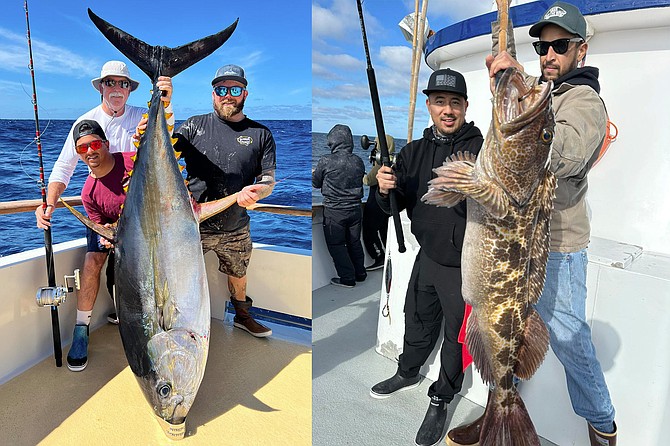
<point x="467" y="359"/>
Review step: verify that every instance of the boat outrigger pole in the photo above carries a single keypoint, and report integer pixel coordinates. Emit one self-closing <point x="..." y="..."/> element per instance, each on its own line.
<point x="48" y="248"/>
<point x="381" y="134"/>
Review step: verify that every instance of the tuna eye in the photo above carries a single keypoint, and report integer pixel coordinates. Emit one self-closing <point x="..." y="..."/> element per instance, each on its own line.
<point x="546" y="136"/>
<point x="164" y="390"/>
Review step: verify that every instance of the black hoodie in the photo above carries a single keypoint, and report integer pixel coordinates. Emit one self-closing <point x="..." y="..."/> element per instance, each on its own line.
<point x="339" y="174"/>
<point x="439" y="230"/>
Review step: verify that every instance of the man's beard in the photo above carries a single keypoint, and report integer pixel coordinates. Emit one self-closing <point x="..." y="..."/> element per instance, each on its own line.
<point x="226" y="111"/>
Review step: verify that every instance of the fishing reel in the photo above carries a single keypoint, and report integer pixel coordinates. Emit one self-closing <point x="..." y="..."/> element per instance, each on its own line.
<point x="375" y="153"/>
<point x="56" y="295"/>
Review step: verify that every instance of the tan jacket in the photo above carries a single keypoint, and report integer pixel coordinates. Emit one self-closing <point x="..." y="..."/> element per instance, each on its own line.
<point x="581" y="122"/>
<point x="370" y="179"/>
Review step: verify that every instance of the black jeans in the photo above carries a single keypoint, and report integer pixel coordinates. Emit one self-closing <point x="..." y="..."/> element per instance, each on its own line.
<point x="342" y="229"/>
<point x="375" y="222"/>
<point x="433" y="296"/>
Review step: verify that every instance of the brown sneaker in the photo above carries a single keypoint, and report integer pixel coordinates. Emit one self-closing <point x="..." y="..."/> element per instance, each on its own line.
<point x="252" y="327"/>
<point x="245" y="321"/>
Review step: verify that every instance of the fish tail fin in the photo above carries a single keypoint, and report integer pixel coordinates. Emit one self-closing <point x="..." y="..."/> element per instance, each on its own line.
<point x="509" y="425"/>
<point x="534" y="346"/>
<point x="160" y="60"/>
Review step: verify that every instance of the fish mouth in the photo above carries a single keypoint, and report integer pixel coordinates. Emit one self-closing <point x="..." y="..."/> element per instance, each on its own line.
<point x="516" y="104"/>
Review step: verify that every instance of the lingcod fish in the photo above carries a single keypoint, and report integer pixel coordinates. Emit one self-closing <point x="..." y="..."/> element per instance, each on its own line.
<point x="509" y="190"/>
<point x="162" y="294"/>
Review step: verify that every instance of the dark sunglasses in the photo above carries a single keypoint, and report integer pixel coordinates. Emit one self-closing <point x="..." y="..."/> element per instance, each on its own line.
<point x="234" y="91"/>
<point x="560" y="46"/>
<point x="94" y="145"/>
<point x="112" y="83"/>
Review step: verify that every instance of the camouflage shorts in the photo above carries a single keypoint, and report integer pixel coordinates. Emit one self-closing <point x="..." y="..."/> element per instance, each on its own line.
<point x="232" y="248"/>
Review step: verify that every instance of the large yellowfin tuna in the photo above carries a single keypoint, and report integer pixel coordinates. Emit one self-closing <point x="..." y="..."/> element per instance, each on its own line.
<point x="509" y="191"/>
<point x="161" y="287"/>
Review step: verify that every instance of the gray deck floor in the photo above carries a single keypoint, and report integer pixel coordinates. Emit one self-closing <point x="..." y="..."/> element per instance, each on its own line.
<point x="346" y="365"/>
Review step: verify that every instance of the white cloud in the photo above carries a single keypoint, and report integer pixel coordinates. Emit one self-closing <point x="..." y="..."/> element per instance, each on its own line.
<point x="46" y="57"/>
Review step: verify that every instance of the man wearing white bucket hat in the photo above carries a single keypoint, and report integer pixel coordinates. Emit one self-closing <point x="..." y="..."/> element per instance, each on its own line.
<point x="119" y="122"/>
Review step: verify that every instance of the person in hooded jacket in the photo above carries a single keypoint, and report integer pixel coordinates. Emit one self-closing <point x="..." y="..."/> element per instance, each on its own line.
<point x="434" y="289"/>
<point x="339" y="175"/>
<point x="581" y="121"/>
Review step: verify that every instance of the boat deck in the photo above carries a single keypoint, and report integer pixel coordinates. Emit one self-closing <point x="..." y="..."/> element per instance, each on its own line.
<point x="255" y="391"/>
<point x="346" y="365"/>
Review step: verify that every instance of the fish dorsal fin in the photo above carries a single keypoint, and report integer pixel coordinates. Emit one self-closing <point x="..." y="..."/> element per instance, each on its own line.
<point x="475" y="344"/>
<point x="108" y="233"/>
<point x="203" y="211"/>
<point x="539" y="249"/>
<point x="534" y="347"/>
<point x="160" y="60"/>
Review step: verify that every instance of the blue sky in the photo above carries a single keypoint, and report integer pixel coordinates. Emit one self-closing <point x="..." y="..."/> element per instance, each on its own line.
<point x="272" y="43"/>
<point x="340" y="92"/>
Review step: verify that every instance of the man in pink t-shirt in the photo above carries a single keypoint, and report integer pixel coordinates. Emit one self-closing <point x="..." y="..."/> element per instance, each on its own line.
<point x="102" y="195"/>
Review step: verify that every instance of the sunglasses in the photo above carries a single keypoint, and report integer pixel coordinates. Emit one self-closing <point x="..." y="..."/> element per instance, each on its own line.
<point x="112" y="83"/>
<point x="94" y="145"/>
<point x="221" y="91"/>
<point x="560" y="46"/>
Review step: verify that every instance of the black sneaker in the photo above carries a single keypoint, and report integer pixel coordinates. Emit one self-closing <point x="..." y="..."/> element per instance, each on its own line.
<point x="337" y="281"/>
<point x="431" y="431"/>
<point x="378" y="264"/>
<point x="362" y="277"/>
<point x="394" y="384"/>
<point x="113" y="319"/>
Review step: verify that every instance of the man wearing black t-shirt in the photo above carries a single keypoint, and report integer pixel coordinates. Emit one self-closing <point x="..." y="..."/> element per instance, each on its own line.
<point x="225" y="152"/>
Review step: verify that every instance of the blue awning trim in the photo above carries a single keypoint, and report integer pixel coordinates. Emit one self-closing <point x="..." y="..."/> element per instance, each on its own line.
<point x="527" y="14"/>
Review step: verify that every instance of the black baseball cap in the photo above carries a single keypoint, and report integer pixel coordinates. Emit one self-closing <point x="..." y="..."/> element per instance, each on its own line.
<point x="562" y="14"/>
<point x="87" y="127"/>
<point x="447" y="80"/>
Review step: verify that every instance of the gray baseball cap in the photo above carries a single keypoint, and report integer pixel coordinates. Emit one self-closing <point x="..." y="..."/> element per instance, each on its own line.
<point x="230" y="72"/>
<point x="561" y="14"/>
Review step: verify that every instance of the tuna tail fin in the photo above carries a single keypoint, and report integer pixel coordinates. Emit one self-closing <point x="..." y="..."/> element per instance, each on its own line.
<point x="504" y="426"/>
<point x="160" y="60"/>
<point x="108" y="233"/>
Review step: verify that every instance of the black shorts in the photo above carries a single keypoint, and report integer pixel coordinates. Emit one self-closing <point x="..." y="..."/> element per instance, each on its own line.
<point x="93" y="242"/>
<point x="232" y="248"/>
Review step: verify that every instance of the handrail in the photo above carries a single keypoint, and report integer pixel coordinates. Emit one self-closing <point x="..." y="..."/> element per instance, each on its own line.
<point x="15" y="207"/>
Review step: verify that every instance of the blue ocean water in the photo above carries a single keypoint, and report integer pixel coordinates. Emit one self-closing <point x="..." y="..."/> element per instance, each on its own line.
<point x="19" y="180"/>
<point x="320" y="147"/>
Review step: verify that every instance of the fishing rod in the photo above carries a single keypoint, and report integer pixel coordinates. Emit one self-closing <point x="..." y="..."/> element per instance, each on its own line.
<point x="381" y="134"/>
<point x="48" y="248"/>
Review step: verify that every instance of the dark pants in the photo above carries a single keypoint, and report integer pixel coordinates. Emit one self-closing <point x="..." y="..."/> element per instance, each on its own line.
<point x="375" y="222"/>
<point x="434" y="295"/>
<point x="342" y="229"/>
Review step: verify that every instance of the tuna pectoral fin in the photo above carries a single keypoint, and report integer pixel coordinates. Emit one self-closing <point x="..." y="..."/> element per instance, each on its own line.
<point x="534" y="347"/>
<point x="475" y="345"/>
<point x="108" y="233"/>
<point x="458" y="176"/>
<point x="509" y="426"/>
<point x="209" y="209"/>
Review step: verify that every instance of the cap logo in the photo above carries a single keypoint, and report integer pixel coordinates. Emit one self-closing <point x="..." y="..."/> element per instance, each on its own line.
<point x="446" y="80"/>
<point x="556" y="11"/>
<point x="245" y="140"/>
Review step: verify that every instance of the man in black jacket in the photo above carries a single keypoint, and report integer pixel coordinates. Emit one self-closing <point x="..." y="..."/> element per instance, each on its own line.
<point x="339" y="175"/>
<point x="434" y="289"/>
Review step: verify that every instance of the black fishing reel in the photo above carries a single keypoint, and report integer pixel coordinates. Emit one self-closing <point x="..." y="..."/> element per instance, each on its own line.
<point x="55" y="295"/>
<point x="375" y="153"/>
